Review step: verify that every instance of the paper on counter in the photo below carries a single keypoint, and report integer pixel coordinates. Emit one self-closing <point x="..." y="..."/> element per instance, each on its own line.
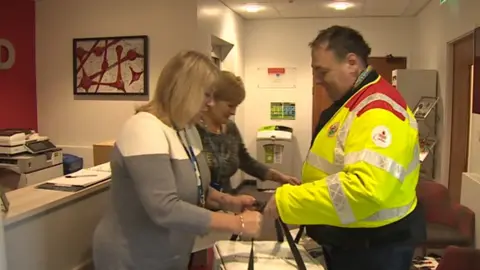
<point x="90" y="178"/>
<point x="105" y="167"/>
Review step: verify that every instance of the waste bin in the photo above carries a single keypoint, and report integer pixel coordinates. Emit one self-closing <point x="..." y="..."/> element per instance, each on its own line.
<point x="275" y="149"/>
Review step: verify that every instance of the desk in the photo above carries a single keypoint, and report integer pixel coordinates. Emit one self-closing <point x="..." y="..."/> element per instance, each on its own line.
<point x="52" y="230"/>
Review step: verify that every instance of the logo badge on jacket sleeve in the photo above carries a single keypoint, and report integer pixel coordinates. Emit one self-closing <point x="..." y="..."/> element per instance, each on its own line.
<point x="332" y="129"/>
<point x="381" y="136"/>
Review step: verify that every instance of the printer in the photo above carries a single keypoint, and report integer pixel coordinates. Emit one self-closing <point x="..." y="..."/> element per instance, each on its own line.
<point x="27" y="158"/>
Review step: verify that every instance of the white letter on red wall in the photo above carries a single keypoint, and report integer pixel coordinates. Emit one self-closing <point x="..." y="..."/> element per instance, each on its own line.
<point x="11" y="54"/>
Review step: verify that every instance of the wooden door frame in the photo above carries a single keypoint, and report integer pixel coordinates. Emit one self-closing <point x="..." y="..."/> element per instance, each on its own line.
<point x="453" y="181"/>
<point x="472" y="80"/>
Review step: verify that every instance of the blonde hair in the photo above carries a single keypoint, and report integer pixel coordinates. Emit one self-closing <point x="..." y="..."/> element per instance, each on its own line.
<point x="230" y="88"/>
<point x="182" y="87"/>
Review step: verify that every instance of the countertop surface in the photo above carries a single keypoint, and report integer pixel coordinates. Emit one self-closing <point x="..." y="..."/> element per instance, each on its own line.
<point x="29" y="201"/>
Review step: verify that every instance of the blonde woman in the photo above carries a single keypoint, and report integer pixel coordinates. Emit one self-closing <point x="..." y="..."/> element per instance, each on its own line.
<point x="160" y="180"/>
<point x="222" y="141"/>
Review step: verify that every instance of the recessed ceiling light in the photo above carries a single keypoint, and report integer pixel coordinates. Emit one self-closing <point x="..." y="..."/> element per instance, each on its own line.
<point x="340" y="5"/>
<point x="252" y="8"/>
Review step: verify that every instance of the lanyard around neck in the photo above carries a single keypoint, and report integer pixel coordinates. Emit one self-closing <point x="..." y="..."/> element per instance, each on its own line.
<point x="363" y="75"/>
<point x="196" y="168"/>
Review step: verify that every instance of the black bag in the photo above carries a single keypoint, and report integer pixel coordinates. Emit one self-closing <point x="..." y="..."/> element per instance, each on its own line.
<point x="281" y="230"/>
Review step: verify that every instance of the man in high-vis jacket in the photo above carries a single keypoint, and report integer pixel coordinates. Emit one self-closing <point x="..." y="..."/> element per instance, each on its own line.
<point x="357" y="197"/>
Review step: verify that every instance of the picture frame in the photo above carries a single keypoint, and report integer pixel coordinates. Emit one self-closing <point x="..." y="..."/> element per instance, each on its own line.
<point x="424" y="106"/>
<point x="111" y="66"/>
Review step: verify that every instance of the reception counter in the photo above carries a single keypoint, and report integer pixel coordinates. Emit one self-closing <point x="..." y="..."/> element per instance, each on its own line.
<point x="52" y="230"/>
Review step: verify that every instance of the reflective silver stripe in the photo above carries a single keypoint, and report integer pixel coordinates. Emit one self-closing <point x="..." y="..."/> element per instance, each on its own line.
<point x="390" y="213"/>
<point x="339" y="200"/>
<point x="378" y="160"/>
<point x="415" y="162"/>
<point x="371" y="157"/>
<point x="344" y="210"/>
<point x="322" y="164"/>
<point x="345" y="128"/>
<point x="335" y="189"/>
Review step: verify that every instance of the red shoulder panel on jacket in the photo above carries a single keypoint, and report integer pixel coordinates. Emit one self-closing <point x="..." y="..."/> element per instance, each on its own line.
<point x="381" y="87"/>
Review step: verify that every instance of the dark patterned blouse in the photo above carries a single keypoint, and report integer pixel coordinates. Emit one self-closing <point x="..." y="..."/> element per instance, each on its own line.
<point x="226" y="153"/>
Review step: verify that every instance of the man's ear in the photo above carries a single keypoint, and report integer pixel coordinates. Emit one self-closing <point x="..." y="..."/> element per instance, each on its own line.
<point x="353" y="60"/>
<point x="354" y="64"/>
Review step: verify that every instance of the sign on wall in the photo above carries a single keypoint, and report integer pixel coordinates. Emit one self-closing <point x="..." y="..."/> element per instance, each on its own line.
<point x="277" y="77"/>
<point x="282" y="111"/>
<point x="6" y="46"/>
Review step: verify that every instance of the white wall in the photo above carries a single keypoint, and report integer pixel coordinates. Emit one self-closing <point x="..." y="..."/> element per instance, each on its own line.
<point x="284" y="43"/>
<point x="216" y="19"/>
<point x="437" y="25"/>
<point x="76" y="124"/>
<point x="469" y="198"/>
<point x="80" y="123"/>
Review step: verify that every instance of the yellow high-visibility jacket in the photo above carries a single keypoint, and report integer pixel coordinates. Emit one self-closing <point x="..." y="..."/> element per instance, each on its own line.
<point x="363" y="166"/>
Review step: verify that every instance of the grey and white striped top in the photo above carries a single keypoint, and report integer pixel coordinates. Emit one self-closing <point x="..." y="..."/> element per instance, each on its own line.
<point x="153" y="217"/>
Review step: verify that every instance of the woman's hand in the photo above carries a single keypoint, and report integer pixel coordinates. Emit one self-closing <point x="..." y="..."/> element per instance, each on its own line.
<point x="250" y="223"/>
<point x="241" y="202"/>
<point x="285" y="179"/>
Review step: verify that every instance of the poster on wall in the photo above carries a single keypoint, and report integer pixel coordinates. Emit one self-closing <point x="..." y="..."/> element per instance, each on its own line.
<point x="110" y="66"/>
<point x="277" y="77"/>
<point x="282" y="111"/>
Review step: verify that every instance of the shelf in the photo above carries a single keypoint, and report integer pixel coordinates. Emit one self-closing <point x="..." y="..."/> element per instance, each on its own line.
<point x="426" y="147"/>
<point x="424" y="107"/>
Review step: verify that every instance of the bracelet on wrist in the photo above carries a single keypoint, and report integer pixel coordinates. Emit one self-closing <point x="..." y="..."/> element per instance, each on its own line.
<point x="242" y="223"/>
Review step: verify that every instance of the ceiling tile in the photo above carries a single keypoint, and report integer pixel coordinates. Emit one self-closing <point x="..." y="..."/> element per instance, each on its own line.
<point x="326" y="12"/>
<point x="319" y="9"/>
<point x="415" y="7"/>
<point x="384" y="8"/>
<point x="268" y="13"/>
<point x="281" y="6"/>
<point x="242" y="2"/>
<point x="297" y="10"/>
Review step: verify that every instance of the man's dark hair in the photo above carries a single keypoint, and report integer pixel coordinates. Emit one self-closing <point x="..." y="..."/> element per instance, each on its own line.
<point x="342" y="40"/>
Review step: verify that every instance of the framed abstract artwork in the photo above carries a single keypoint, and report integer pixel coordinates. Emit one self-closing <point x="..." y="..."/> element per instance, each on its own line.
<point x="111" y="66"/>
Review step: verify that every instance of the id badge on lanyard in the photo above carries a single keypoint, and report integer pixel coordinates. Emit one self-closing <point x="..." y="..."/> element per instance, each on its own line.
<point x="193" y="160"/>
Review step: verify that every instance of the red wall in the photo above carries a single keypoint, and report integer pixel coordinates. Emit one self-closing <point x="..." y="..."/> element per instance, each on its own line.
<point x="18" y="101"/>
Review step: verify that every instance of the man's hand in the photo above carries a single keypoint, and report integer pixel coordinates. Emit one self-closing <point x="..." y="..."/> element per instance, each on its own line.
<point x="271" y="210"/>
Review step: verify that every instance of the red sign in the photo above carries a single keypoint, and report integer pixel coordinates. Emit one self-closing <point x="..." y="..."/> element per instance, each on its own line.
<point x="276" y="71"/>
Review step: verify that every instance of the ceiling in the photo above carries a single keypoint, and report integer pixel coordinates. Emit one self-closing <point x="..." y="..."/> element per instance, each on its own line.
<point x="275" y="9"/>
